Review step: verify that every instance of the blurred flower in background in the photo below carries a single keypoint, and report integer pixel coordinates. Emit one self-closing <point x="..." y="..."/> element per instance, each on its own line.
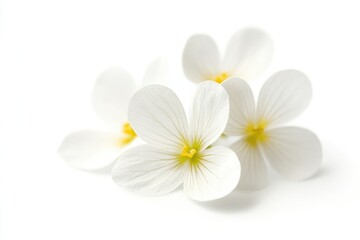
<point x="248" y="54"/>
<point x="93" y="149"/>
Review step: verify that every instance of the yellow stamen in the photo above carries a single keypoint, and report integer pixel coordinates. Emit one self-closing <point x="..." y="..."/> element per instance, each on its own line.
<point x="221" y="77"/>
<point x="129" y="134"/>
<point x="189" y="155"/>
<point x="255" y="133"/>
<point x="187" y="152"/>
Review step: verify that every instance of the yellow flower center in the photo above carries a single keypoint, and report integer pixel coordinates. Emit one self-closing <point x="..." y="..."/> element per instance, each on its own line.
<point x="221" y="77"/>
<point x="255" y="133"/>
<point x="128" y="134"/>
<point x="189" y="154"/>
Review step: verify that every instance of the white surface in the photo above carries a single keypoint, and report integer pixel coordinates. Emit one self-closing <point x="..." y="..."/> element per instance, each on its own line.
<point x="51" y="54"/>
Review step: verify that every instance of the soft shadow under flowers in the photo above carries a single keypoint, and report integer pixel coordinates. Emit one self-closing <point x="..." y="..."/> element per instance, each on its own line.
<point x="106" y="171"/>
<point x="235" y="202"/>
<point x="325" y="170"/>
<point x="240" y="201"/>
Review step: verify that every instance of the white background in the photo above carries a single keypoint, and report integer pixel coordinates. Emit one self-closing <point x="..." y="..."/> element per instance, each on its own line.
<point x="51" y="53"/>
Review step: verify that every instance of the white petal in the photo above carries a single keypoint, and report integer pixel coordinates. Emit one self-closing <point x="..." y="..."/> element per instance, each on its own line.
<point x="225" y="141"/>
<point x="157" y="116"/>
<point x="90" y="150"/>
<point x="209" y="113"/>
<point x="242" y="106"/>
<point x="201" y="58"/>
<point x="284" y="96"/>
<point x="148" y="171"/>
<point x="248" y="53"/>
<point x="215" y="176"/>
<point x="293" y="152"/>
<point x="111" y="95"/>
<point x="253" y="167"/>
<point x="157" y="72"/>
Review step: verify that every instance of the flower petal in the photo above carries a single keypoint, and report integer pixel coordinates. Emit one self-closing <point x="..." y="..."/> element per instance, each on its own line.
<point x="242" y="106"/>
<point x="148" y="171"/>
<point x="90" y="150"/>
<point x="157" y="116"/>
<point x="209" y="114"/>
<point x="156" y="72"/>
<point x="248" y="53"/>
<point x="293" y="152"/>
<point x="253" y="167"/>
<point x="226" y="141"/>
<point x="215" y="176"/>
<point x="111" y="95"/>
<point x="201" y="58"/>
<point x="284" y="96"/>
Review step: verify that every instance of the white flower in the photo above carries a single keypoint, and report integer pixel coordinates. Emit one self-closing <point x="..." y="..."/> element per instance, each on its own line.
<point x="293" y="152"/>
<point x="92" y="149"/>
<point x="179" y="152"/>
<point x="248" y="54"/>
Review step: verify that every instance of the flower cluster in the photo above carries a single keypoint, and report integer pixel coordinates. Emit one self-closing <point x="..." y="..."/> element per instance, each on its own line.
<point x="161" y="148"/>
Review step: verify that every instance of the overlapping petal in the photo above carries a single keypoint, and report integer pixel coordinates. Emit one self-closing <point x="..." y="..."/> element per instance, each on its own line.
<point x="253" y="167"/>
<point x="90" y="150"/>
<point x="201" y="58"/>
<point x="156" y="72"/>
<point x="284" y="96"/>
<point x="248" y="53"/>
<point x="158" y="117"/>
<point x="293" y="152"/>
<point x="111" y="95"/>
<point x="215" y="176"/>
<point x="148" y="170"/>
<point x="242" y="106"/>
<point x="208" y="114"/>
